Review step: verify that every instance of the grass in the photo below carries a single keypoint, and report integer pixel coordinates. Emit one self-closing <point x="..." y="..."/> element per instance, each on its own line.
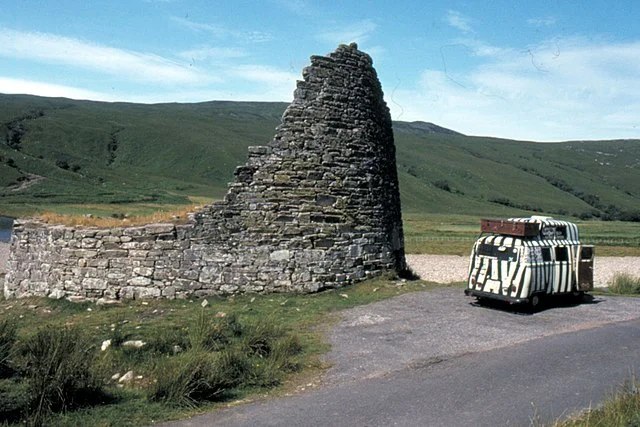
<point x="455" y="234"/>
<point x="622" y="409"/>
<point x="56" y="364"/>
<point x="174" y="214"/>
<point x="194" y="356"/>
<point x="625" y="284"/>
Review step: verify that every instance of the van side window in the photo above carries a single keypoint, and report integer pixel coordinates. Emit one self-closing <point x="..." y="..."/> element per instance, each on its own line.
<point x="586" y="253"/>
<point x="546" y="254"/>
<point x="486" y="250"/>
<point x="562" y="254"/>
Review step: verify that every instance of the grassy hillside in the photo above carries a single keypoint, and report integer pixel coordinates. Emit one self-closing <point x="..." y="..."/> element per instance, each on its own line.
<point x="60" y="151"/>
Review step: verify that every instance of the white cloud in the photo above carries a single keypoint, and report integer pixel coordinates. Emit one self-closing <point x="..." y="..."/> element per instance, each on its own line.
<point x="480" y="48"/>
<point x="357" y="32"/>
<point x="459" y="21"/>
<point x="378" y="53"/>
<point x="220" y="31"/>
<point x="264" y="74"/>
<point x="28" y="87"/>
<point x="276" y="91"/>
<point x="270" y="80"/>
<point x="54" y="49"/>
<point x="255" y="36"/>
<point x="558" y="90"/>
<point x="202" y="53"/>
<point x="547" y="21"/>
<point x="198" y="27"/>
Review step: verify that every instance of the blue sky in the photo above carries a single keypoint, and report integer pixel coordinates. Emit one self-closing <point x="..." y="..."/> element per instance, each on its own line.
<point x="534" y="70"/>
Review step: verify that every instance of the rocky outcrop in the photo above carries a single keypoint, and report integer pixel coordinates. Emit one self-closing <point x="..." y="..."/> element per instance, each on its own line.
<point x="317" y="207"/>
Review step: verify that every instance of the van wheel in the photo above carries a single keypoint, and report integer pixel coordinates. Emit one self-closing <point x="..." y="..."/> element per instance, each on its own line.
<point x="535" y="302"/>
<point x="577" y="296"/>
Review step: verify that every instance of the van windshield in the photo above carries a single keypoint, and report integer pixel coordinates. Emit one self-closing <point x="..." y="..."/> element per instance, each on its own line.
<point x="502" y="253"/>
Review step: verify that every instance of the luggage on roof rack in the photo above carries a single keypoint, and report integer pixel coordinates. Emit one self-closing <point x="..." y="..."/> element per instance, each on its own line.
<point x="509" y="227"/>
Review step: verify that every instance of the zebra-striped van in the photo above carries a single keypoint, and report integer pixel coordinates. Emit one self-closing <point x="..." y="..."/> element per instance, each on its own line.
<point x="522" y="260"/>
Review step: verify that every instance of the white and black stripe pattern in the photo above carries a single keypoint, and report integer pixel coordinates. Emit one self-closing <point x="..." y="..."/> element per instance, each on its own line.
<point x="490" y="273"/>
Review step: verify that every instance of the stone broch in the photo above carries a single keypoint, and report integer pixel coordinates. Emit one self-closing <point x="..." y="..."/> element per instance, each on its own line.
<point x="317" y="207"/>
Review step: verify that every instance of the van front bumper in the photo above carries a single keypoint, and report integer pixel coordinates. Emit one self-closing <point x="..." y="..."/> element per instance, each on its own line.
<point x="490" y="295"/>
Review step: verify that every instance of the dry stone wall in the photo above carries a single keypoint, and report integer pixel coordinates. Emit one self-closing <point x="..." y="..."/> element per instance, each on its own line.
<point x="317" y="207"/>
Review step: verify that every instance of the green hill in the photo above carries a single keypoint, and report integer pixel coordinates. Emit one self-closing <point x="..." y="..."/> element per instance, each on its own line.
<point x="61" y="151"/>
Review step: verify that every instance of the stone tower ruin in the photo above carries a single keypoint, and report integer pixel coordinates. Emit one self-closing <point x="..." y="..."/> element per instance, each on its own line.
<point x="317" y="207"/>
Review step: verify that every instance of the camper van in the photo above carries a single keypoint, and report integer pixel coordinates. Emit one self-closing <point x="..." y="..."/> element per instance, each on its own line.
<point x="524" y="260"/>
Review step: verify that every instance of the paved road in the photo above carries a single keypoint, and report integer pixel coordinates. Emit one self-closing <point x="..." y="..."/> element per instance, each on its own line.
<point x="432" y="358"/>
<point x="547" y="377"/>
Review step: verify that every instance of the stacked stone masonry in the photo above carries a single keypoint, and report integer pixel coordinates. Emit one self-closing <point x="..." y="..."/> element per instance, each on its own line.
<point x="317" y="207"/>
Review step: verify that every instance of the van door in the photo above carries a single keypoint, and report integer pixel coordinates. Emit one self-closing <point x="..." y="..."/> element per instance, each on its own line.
<point x="585" y="267"/>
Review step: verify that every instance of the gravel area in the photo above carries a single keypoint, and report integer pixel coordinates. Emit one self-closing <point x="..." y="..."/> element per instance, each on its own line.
<point x="453" y="268"/>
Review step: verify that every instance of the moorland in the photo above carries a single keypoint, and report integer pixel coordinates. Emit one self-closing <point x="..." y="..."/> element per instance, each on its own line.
<point x="120" y="159"/>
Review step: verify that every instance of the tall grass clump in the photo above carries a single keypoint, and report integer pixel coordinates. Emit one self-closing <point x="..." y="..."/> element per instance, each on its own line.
<point x="625" y="284"/>
<point x="198" y="376"/>
<point x="225" y="355"/>
<point x="13" y="393"/>
<point x="7" y="340"/>
<point x="57" y="366"/>
<point x="620" y="410"/>
<point x="272" y="352"/>
<point x="213" y="334"/>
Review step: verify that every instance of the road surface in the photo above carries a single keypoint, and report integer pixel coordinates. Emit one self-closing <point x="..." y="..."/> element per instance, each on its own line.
<point x="403" y="362"/>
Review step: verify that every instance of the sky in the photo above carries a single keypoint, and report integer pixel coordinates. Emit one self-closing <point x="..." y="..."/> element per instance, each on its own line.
<point x="532" y="70"/>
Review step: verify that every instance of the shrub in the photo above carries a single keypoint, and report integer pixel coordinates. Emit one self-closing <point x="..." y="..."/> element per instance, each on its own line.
<point x="165" y="343"/>
<point x="57" y="362"/>
<point x="198" y="376"/>
<point x="632" y="216"/>
<point x="624" y="283"/>
<point x="259" y="337"/>
<point x="7" y="341"/>
<point x="14" y="400"/>
<point x="269" y="371"/>
<point x="62" y="164"/>
<point x="213" y="334"/>
<point x="443" y="185"/>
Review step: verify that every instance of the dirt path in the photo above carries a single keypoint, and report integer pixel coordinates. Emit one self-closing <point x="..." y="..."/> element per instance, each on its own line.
<point x="32" y="179"/>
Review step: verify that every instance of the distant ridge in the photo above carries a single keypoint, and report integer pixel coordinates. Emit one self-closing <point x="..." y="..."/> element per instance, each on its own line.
<point x="422" y="128"/>
<point x="60" y="151"/>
